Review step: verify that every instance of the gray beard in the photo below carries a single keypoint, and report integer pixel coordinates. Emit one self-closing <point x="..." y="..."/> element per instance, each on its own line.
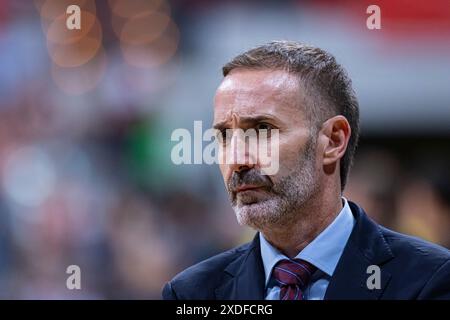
<point x="288" y="196"/>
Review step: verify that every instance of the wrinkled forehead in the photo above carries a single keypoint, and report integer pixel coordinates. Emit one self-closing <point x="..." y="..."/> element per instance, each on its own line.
<point x="248" y="92"/>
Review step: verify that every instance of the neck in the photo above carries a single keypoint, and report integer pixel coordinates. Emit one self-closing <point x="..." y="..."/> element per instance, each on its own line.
<point x="313" y="218"/>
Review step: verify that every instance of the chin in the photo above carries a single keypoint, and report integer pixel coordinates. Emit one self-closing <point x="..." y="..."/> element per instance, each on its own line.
<point x="257" y="215"/>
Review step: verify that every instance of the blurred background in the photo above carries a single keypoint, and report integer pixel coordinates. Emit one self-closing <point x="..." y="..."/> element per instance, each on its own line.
<point x="86" y="118"/>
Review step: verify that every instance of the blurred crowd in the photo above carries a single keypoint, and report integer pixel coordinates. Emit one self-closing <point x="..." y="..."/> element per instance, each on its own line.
<point x="85" y="171"/>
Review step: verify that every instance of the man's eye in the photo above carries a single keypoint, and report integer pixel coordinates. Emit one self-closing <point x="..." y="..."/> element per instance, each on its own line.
<point x="222" y="135"/>
<point x="263" y="126"/>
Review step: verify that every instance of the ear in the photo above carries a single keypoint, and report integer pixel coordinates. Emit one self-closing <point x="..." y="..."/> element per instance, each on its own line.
<point x="336" y="133"/>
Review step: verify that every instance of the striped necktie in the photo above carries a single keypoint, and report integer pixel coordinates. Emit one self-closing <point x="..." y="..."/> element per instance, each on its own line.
<point x="293" y="277"/>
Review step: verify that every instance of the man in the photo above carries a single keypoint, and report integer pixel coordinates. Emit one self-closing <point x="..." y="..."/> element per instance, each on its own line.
<point x="311" y="243"/>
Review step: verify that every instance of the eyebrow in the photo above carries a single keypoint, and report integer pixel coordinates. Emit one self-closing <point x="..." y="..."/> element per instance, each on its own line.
<point x="255" y="119"/>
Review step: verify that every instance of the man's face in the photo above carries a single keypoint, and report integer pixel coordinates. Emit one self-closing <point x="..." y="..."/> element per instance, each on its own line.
<point x="267" y="99"/>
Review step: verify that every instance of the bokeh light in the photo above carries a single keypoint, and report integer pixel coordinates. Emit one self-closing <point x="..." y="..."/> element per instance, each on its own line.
<point x="129" y="8"/>
<point x="50" y="10"/>
<point x="71" y="48"/>
<point x="148" y="35"/>
<point x="154" y="53"/>
<point x="144" y="27"/>
<point x="77" y="54"/>
<point x="81" y="79"/>
<point x="28" y="176"/>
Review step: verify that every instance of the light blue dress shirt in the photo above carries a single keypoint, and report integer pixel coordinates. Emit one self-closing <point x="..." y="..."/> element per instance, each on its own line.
<point x="323" y="252"/>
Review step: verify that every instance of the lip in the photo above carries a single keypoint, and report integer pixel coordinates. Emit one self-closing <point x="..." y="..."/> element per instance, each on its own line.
<point x="247" y="187"/>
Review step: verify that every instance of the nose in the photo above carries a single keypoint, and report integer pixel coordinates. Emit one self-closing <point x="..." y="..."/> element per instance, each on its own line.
<point x="241" y="153"/>
<point x="240" y="168"/>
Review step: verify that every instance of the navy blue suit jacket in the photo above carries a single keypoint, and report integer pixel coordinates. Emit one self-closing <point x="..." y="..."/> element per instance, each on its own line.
<point x="410" y="269"/>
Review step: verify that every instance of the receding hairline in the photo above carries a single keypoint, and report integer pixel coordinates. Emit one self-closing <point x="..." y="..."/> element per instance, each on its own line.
<point x="307" y="93"/>
<point x="292" y="79"/>
<point x="287" y="73"/>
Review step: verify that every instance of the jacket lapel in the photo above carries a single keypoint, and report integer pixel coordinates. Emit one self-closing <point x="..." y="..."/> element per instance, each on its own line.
<point x="244" y="277"/>
<point x="366" y="246"/>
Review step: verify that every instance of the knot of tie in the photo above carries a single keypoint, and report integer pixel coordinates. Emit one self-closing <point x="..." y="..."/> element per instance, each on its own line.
<point x="293" y="277"/>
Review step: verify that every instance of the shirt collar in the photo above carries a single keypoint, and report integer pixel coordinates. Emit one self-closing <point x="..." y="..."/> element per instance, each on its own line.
<point x="323" y="252"/>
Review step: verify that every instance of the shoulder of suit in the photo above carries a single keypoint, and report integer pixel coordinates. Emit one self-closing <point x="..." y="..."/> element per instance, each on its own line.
<point x="210" y="269"/>
<point x="415" y="250"/>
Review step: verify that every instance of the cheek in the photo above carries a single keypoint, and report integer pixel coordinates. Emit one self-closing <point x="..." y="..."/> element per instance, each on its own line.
<point x="289" y="154"/>
<point x="288" y="157"/>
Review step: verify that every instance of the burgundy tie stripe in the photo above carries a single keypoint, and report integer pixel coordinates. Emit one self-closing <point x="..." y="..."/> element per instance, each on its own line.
<point x="293" y="277"/>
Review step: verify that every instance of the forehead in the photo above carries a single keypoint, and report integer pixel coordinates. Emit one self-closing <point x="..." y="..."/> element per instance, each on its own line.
<point x="246" y="92"/>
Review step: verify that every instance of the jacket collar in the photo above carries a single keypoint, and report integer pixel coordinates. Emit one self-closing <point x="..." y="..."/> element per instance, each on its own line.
<point x="366" y="246"/>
